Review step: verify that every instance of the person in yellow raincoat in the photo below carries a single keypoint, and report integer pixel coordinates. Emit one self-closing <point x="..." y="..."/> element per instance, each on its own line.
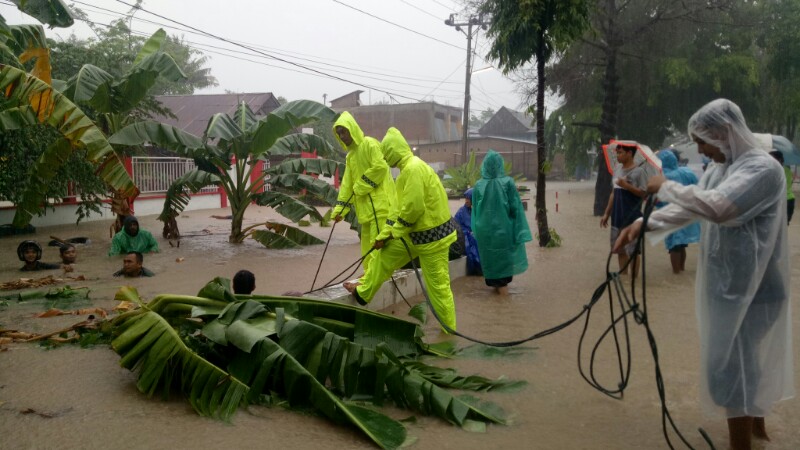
<point x="367" y="183"/>
<point x="422" y="220"/>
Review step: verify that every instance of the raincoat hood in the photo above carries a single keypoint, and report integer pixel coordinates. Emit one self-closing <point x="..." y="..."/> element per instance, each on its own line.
<point x="492" y="166"/>
<point x="126" y="225"/>
<point x="347" y="121"/>
<point x="668" y="160"/>
<point x="468" y="194"/>
<point x="395" y="148"/>
<point x="721" y="124"/>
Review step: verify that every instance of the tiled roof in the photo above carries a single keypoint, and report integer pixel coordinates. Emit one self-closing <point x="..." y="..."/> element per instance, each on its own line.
<point x="193" y="111"/>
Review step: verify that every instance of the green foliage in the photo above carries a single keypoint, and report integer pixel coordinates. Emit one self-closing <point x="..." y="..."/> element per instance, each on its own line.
<point x="520" y="31"/>
<point x="299" y="352"/>
<point x="245" y="139"/>
<point x="20" y="149"/>
<point x="571" y="140"/>
<point x="555" y="239"/>
<point x="462" y="177"/>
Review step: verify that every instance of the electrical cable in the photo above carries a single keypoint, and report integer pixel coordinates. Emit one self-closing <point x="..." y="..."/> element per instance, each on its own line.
<point x="629" y="307"/>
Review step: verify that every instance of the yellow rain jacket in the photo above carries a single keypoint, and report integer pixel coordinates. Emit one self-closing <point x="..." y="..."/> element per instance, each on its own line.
<point x="421" y="218"/>
<point x="367" y="183"/>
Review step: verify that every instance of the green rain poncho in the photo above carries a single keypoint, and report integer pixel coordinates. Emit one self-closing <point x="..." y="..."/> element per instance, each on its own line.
<point x="421" y="219"/>
<point x="498" y="221"/>
<point x="367" y="183"/>
<point x="123" y="242"/>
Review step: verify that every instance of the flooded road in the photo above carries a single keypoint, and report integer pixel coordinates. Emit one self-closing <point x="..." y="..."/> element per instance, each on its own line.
<point x="70" y="397"/>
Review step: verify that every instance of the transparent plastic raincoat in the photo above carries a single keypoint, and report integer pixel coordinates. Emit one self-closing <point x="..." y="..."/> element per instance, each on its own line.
<point x="421" y="219"/>
<point x="367" y="183"/>
<point x="742" y="297"/>
<point x="689" y="234"/>
<point x="498" y="221"/>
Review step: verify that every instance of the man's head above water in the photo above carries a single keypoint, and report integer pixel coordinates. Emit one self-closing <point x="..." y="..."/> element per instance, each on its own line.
<point x="131" y="226"/>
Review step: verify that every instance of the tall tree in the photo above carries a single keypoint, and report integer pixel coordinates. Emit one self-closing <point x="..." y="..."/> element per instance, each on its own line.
<point x="639" y="64"/>
<point x="535" y="29"/>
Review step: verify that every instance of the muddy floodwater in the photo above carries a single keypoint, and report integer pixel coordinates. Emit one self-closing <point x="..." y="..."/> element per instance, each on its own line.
<point x="73" y="398"/>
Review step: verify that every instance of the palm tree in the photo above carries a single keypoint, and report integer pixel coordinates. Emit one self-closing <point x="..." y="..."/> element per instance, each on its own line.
<point x="226" y="156"/>
<point x="118" y="102"/>
<point x="535" y="29"/>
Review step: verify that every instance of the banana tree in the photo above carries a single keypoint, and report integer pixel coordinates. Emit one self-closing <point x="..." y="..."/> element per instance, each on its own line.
<point x="222" y="351"/>
<point x="28" y="100"/>
<point x="226" y="155"/>
<point x="118" y="102"/>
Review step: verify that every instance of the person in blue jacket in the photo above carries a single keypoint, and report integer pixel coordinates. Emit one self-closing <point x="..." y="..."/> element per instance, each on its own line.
<point x="677" y="242"/>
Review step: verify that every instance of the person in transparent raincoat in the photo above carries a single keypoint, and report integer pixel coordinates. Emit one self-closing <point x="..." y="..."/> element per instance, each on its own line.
<point x="742" y="289"/>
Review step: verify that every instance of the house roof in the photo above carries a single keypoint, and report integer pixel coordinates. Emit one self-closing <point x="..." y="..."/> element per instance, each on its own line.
<point x="193" y="111"/>
<point x="350" y="100"/>
<point x="507" y="121"/>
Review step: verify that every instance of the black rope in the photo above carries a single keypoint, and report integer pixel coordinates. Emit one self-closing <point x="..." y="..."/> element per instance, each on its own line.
<point x="326" y="249"/>
<point x="628" y="305"/>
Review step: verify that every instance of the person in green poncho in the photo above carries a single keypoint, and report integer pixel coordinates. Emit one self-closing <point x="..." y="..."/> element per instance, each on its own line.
<point x="499" y="224"/>
<point x="367" y="183"/>
<point x="131" y="239"/>
<point x="422" y="221"/>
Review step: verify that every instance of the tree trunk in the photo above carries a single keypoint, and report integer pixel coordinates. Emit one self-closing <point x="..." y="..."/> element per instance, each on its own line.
<point x="541" y="150"/>
<point x="608" y="117"/>
<point x="236" y="236"/>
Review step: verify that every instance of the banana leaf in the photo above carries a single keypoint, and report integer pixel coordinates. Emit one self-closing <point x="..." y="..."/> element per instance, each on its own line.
<point x="317" y="166"/>
<point x="280" y="235"/>
<point x="288" y="206"/>
<point x="177" y="198"/>
<point x="152" y="46"/>
<point x="17" y="118"/>
<point x="293" y="144"/>
<point x="244" y="117"/>
<point x="160" y="134"/>
<point x="221" y="126"/>
<point x="54" y="109"/>
<point x="150" y="346"/>
<point x="408" y="389"/>
<point x="283" y="120"/>
<point x="52" y="12"/>
<point x="271" y="369"/>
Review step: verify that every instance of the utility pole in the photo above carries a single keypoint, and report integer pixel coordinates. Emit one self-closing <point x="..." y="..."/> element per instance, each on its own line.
<point x="478" y="21"/>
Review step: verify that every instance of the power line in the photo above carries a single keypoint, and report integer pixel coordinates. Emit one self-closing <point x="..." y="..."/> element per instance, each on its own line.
<point x="350" y="66"/>
<point x="394" y="24"/>
<point x="366" y="86"/>
<point x="421" y="10"/>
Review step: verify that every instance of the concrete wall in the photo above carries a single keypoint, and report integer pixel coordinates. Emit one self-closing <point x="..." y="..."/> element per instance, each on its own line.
<point x="143" y="206"/>
<point x="420" y="123"/>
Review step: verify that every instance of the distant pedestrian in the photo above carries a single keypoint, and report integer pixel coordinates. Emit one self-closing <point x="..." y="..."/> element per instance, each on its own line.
<point x="677" y="242"/>
<point x="625" y="203"/>
<point x="463" y="218"/>
<point x="499" y="223"/>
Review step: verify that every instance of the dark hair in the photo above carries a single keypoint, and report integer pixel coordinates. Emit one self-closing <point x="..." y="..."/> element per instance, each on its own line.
<point x="139" y="256"/>
<point x="244" y="282"/>
<point x="25" y="245"/>
<point x="64" y="247"/>
<point x="627" y="148"/>
<point x="777" y="155"/>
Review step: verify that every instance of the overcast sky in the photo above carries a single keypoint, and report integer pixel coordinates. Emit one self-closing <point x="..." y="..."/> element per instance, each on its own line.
<point x="423" y="62"/>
